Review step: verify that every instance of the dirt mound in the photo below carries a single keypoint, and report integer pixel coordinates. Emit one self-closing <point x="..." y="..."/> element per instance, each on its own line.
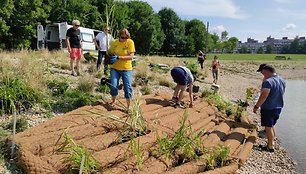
<point x="99" y="135"/>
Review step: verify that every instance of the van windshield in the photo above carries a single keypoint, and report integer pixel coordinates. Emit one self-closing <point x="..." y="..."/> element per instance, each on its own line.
<point x="87" y="37"/>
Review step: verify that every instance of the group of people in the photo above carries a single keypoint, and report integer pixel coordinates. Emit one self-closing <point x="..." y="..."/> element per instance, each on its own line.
<point x="122" y="51"/>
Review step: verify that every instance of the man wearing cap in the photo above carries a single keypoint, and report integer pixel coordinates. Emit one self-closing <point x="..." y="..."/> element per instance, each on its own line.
<point x="270" y="101"/>
<point x="105" y="39"/>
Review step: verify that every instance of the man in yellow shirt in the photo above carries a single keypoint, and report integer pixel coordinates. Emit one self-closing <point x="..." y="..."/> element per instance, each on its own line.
<point x="123" y="50"/>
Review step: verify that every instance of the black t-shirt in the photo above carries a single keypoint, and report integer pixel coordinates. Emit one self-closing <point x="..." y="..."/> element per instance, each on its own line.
<point x="74" y="37"/>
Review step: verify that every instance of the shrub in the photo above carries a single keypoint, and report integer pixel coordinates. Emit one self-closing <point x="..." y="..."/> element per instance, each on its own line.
<point x="164" y="82"/>
<point x="193" y="68"/>
<point x="145" y="90"/>
<point x="103" y="89"/>
<point x="217" y="157"/>
<point x="86" y="84"/>
<point x="58" y="86"/>
<point x="21" y="125"/>
<point x="16" y="94"/>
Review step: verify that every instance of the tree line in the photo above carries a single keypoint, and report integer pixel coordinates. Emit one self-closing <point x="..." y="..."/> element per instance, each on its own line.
<point x="163" y="32"/>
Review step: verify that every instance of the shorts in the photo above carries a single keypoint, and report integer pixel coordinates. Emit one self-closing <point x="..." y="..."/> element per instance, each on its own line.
<point x="269" y="117"/>
<point x="76" y="53"/>
<point x="179" y="76"/>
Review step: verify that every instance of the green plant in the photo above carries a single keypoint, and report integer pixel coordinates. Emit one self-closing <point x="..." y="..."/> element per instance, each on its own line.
<point x="3" y="135"/>
<point x="145" y="90"/>
<point x="164" y="82"/>
<point x="75" y="154"/>
<point x="86" y="84"/>
<point x="135" y="149"/>
<point x="193" y="67"/>
<point x="217" y="157"/>
<point x="103" y="89"/>
<point x="21" y="125"/>
<point x="58" y="86"/>
<point x="185" y="141"/>
<point x="16" y="94"/>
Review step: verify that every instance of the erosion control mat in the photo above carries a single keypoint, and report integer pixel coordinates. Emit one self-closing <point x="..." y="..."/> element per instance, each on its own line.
<point x="37" y="146"/>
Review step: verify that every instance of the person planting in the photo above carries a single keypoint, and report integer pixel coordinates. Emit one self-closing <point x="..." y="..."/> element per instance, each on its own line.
<point x="182" y="77"/>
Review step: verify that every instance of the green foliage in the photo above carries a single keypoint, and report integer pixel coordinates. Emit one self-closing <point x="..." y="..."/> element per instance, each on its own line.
<point x="86" y="84"/>
<point x="21" y="125"/>
<point x="58" y="86"/>
<point x="194" y="68"/>
<point x="3" y="148"/>
<point x="75" y="154"/>
<point x="103" y="89"/>
<point x="73" y="99"/>
<point x="185" y="141"/>
<point x="197" y="30"/>
<point x="217" y="157"/>
<point x="16" y="94"/>
<point x="145" y="90"/>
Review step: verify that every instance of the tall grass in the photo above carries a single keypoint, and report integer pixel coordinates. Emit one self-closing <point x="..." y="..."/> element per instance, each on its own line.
<point x="75" y="153"/>
<point x="185" y="141"/>
<point x="86" y="84"/>
<point x="217" y="157"/>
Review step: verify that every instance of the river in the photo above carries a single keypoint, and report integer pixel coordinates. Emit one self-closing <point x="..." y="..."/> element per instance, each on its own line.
<point x="291" y="127"/>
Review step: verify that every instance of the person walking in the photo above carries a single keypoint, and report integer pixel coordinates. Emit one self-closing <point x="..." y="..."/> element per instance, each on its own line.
<point x="122" y="51"/>
<point x="270" y="102"/>
<point x="215" y="69"/>
<point x="74" y="45"/>
<point x="104" y="38"/>
<point x="182" y="77"/>
<point x="201" y="58"/>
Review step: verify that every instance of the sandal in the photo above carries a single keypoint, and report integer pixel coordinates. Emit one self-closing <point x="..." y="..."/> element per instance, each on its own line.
<point x="266" y="148"/>
<point x="110" y="106"/>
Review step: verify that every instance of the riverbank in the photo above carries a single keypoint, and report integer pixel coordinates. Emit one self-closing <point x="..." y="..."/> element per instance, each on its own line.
<point x="234" y="79"/>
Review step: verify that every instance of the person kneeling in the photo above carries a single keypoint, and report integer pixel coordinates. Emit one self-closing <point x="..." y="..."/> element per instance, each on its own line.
<point x="183" y="78"/>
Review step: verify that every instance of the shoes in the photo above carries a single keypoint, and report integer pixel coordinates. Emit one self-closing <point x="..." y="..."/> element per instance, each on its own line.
<point x="266" y="148"/>
<point x="73" y="73"/>
<point x="78" y="73"/>
<point x="174" y="98"/>
<point x="179" y="105"/>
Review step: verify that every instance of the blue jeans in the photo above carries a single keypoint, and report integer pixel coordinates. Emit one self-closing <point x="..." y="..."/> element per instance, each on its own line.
<point x="127" y="82"/>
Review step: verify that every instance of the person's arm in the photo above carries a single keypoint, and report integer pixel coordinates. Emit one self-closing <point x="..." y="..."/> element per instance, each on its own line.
<point x="262" y="98"/>
<point x="96" y="44"/>
<point x="68" y="43"/>
<point x="128" y="57"/>
<point x="191" y="95"/>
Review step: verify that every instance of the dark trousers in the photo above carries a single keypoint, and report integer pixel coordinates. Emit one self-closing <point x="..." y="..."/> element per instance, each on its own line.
<point x="101" y="56"/>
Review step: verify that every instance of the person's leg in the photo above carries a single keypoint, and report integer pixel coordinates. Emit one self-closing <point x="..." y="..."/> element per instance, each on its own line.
<point x="71" y="66"/>
<point x="78" y="65"/>
<point x="114" y="77"/>
<point x="182" y="89"/>
<point x="176" y="90"/>
<point x="270" y="136"/>
<point x="127" y="77"/>
<point x="99" y="61"/>
<point x="214" y="76"/>
<point x="104" y="62"/>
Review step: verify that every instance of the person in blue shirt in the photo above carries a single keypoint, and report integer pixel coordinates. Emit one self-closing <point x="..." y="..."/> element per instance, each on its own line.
<point x="270" y="102"/>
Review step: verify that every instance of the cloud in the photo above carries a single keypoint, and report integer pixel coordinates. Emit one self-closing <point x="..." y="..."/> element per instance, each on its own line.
<point x="218" y="29"/>
<point x="211" y="8"/>
<point x="289" y="27"/>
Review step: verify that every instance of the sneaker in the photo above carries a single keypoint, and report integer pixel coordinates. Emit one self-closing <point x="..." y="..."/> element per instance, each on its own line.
<point x="174" y="98"/>
<point x="266" y="148"/>
<point x="179" y="105"/>
<point x="73" y="73"/>
<point x="78" y="73"/>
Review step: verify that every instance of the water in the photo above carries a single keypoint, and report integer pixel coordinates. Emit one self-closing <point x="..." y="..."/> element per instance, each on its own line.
<point x="291" y="127"/>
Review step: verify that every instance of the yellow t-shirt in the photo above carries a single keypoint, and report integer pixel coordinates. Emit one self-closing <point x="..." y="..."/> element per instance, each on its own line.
<point x="122" y="49"/>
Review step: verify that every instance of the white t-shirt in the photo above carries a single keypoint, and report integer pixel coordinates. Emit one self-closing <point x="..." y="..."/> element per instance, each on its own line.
<point x="101" y="37"/>
<point x="189" y="74"/>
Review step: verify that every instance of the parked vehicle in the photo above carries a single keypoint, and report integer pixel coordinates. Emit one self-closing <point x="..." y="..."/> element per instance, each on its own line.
<point x="54" y="37"/>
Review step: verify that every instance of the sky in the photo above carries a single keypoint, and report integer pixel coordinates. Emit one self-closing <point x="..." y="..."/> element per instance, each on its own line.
<point x="256" y="19"/>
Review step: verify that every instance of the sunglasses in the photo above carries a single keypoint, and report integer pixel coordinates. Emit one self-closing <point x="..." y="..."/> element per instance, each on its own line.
<point x="124" y="37"/>
<point x="77" y="25"/>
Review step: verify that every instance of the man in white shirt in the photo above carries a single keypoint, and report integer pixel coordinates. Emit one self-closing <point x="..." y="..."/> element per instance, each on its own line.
<point x="105" y="39"/>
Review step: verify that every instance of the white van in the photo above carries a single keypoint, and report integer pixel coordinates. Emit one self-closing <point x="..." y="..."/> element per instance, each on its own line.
<point x="54" y="37"/>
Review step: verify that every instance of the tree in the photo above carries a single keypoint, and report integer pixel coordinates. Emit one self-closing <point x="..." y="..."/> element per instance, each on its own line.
<point x="197" y="30"/>
<point x="269" y="49"/>
<point x="145" y="27"/>
<point x="213" y="41"/>
<point x="232" y="44"/>
<point x="173" y="28"/>
<point x="260" y="50"/>
<point x="5" y="12"/>
<point x="244" y="50"/>
<point x="224" y="35"/>
<point x="294" y="46"/>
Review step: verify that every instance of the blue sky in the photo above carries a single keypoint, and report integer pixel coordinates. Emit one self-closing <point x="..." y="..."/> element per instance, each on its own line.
<point x="257" y="19"/>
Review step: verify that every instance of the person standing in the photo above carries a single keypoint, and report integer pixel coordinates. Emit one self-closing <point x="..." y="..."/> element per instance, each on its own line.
<point x="201" y="58"/>
<point x="74" y="45"/>
<point x="105" y="39"/>
<point x="122" y="51"/>
<point x="215" y="69"/>
<point x="270" y="102"/>
<point x="182" y="77"/>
